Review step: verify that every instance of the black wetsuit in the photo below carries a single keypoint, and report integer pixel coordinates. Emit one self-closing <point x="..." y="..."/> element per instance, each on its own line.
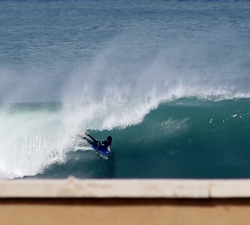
<point x="99" y="144"/>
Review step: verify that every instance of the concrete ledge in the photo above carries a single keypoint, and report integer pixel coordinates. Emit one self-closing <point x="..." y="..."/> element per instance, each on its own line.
<point x="155" y="188"/>
<point x="122" y="202"/>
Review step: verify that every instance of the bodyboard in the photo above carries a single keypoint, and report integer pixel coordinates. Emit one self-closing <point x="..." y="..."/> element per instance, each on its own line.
<point x="102" y="151"/>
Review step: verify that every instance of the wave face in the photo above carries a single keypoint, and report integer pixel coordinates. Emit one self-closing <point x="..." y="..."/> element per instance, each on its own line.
<point x="169" y="80"/>
<point x="183" y="138"/>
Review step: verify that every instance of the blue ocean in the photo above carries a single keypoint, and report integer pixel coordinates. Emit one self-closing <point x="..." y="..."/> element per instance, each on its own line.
<point x="169" y="80"/>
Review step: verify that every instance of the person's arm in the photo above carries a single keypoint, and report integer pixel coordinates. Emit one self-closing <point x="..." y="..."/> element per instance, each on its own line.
<point x="105" y="144"/>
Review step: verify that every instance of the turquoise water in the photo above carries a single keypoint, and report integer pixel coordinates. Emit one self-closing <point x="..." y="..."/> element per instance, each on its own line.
<point x="168" y="80"/>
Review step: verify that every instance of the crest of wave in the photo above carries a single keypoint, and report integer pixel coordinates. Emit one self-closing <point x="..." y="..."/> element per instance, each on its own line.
<point x="130" y="77"/>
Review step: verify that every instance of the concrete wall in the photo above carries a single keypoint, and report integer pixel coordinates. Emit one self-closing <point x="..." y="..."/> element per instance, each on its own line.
<point x="121" y="202"/>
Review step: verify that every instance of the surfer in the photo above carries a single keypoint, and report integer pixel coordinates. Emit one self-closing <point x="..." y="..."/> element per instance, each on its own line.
<point x="101" y="145"/>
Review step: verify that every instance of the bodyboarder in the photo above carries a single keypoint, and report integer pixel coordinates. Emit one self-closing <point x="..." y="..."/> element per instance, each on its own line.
<point x="99" y="145"/>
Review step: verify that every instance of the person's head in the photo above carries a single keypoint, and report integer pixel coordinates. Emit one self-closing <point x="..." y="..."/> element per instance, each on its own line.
<point x="109" y="138"/>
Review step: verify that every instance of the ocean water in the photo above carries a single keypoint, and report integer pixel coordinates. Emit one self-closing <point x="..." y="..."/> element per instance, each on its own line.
<point x="168" y="80"/>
